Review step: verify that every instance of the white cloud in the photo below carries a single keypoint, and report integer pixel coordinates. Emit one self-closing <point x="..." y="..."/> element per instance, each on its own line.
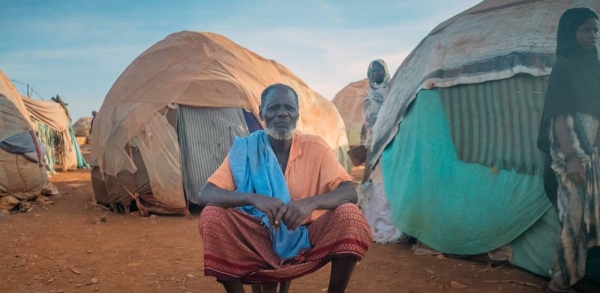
<point x="80" y="55"/>
<point x="328" y="59"/>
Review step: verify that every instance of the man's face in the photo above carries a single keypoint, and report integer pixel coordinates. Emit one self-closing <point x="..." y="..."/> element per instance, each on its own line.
<point x="280" y="113"/>
<point x="587" y="34"/>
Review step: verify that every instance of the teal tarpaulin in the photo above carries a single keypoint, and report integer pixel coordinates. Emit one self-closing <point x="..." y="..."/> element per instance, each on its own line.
<point x="81" y="164"/>
<point x="50" y="138"/>
<point x="454" y="206"/>
<point x="464" y="208"/>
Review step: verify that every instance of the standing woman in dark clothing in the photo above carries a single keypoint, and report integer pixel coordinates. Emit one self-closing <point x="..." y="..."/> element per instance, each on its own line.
<point x="569" y="132"/>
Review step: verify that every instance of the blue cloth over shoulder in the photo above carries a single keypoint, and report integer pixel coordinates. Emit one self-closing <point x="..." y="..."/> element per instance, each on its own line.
<point x="255" y="170"/>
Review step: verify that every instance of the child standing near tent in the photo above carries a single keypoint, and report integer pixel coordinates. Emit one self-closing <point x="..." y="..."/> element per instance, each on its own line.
<point x="570" y="134"/>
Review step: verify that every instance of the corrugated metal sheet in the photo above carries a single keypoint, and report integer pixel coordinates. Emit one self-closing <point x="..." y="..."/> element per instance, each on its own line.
<point x="205" y="136"/>
<point x="496" y="123"/>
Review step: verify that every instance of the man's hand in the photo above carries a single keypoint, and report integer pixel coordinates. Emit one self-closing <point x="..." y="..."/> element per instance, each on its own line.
<point x="268" y="205"/>
<point x="294" y="212"/>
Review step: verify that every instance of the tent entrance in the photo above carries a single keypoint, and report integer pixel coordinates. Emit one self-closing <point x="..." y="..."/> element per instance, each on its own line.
<point x="205" y="136"/>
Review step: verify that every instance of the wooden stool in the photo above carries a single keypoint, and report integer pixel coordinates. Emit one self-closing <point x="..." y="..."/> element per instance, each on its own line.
<point x="284" y="287"/>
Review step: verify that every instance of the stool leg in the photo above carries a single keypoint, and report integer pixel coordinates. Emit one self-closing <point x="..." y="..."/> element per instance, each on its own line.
<point x="269" y="288"/>
<point x="284" y="287"/>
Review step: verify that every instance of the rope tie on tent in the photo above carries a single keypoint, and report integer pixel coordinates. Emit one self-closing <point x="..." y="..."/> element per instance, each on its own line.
<point x="136" y="196"/>
<point x="187" y="213"/>
<point x="142" y="210"/>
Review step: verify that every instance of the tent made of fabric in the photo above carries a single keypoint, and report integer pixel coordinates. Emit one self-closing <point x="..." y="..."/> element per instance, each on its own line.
<point x="50" y="113"/>
<point x="20" y="178"/>
<point x="475" y="46"/>
<point x="82" y="127"/>
<point x="349" y="102"/>
<point x="52" y="125"/>
<point x="460" y="166"/>
<point x="14" y="117"/>
<point x="167" y="105"/>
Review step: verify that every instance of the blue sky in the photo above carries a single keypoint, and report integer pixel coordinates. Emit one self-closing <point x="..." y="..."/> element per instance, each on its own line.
<point x="77" y="49"/>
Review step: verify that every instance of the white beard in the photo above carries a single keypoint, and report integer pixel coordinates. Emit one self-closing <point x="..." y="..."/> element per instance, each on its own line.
<point x="281" y="134"/>
<point x="284" y="134"/>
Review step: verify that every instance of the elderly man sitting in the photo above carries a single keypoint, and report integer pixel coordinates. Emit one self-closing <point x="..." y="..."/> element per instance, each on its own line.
<point x="280" y="206"/>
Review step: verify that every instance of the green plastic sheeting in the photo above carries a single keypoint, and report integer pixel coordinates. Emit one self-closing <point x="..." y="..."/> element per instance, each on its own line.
<point x="47" y="136"/>
<point x="453" y="206"/>
<point x="534" y="249"/>
<point x="81" y="163"/>
<point x="465" y="208"/>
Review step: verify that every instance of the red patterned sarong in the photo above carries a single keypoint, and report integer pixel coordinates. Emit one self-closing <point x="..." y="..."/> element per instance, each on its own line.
<point x="237" y="246"/>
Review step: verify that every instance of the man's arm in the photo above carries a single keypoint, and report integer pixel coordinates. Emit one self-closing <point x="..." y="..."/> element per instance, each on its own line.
<point x="212" y="195"/>
<point x="345" y="193"/>
<point x="295" y="211"/>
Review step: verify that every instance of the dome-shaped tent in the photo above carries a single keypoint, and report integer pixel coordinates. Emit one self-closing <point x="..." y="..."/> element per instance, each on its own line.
<point x="460" y="165"/>
<point x="349" y="102"/>
<point x="21" y="178"/>
<point x="178" y="107"/>
<point x="82" y="126"/>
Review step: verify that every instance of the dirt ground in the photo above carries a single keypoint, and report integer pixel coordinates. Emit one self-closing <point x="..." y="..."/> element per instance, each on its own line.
<point x="73" y="246"/>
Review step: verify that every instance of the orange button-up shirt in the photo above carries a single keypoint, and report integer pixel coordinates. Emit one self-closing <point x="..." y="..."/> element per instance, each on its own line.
<point x="312" y="169"/>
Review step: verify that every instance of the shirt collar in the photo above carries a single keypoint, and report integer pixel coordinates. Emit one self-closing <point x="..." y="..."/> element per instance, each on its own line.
<point x="295" y="149"/>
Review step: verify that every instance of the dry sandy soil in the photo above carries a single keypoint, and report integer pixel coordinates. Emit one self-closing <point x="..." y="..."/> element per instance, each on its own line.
<point x="74" y="246"/>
